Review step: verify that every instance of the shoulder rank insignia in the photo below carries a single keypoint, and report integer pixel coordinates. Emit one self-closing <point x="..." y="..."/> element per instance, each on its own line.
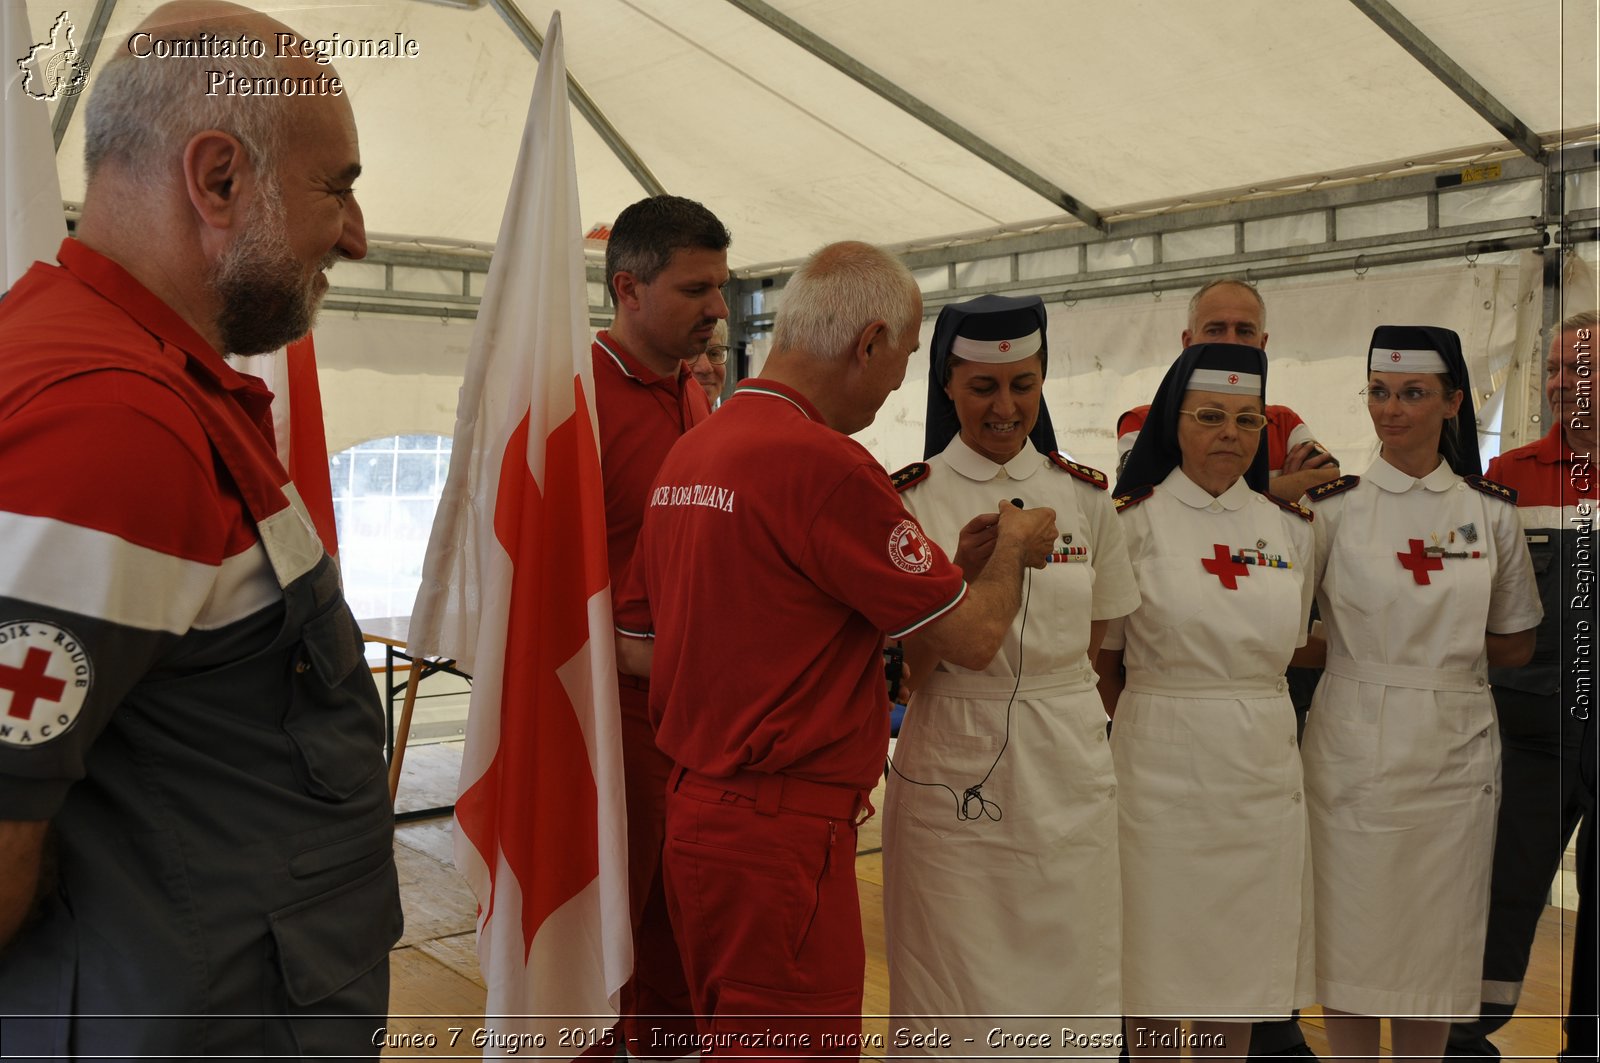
<point x="1489" y="487"/>
<point x="1332" y="487"/>
<point x="1133" y="498"/>
<point x="1082" y="472"/>
<point x="916" y="472"/>
<point x="1291" y="507"/>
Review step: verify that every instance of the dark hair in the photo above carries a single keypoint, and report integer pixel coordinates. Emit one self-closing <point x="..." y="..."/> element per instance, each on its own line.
<point x="646" y="234"/>
<point x="954" y="360"/>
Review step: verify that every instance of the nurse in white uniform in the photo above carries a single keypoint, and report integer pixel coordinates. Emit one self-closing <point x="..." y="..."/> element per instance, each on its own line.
<point x="1001" y="891"/>
<point x="1216" y="878"/>
<point x="1425" y="582"/>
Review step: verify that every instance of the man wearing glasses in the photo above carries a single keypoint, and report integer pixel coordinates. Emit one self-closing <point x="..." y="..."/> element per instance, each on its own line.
<point x="710" y="370"/>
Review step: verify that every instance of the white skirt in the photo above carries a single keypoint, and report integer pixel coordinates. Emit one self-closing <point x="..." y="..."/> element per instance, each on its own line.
<point x="1015" y="916"/>
<point x="1216" y="877"/>
<point x="1405" y="791"/>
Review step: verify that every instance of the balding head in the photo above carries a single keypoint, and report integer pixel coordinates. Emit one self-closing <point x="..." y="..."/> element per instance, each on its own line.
<point x="152" y="97"/>
<point x="189" y="138"/>
<point x="1227" y="310"/>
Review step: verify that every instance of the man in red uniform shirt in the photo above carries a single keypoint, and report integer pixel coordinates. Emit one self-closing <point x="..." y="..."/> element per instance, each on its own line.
<point x="768" y="685"/>
<point x="1543" y="793"/>
<point x="197" y="846"/>
<point x="666" y="263"/>
<point x="1231" y="311"/>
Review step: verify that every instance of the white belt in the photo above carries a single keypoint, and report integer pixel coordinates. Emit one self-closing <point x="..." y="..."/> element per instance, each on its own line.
<point x="1400" y="675"/>
<point x="1230" y="689"/>
<point x="999" y="688"/>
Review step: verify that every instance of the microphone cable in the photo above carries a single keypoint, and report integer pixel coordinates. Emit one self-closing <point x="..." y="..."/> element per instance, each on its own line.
<point x="971" y="803"/>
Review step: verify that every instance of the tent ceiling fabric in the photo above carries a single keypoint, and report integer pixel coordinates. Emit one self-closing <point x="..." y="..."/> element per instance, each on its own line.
<point x="1117" y="103"/>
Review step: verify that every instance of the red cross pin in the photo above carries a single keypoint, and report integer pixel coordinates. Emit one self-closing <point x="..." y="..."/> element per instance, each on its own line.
<point x="1419" y="563"/>
<point x="1233" y="378"/>
<point x="1005" y="345"/>
<point x="1394" y="356"/>
<point x="29" y="684"/>
<point x="1225" y="568"/>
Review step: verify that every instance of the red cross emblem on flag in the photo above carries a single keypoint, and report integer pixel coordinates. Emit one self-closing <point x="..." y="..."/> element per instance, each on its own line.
<point x="1005" y="345"/>
<point x="1224" y="567"/>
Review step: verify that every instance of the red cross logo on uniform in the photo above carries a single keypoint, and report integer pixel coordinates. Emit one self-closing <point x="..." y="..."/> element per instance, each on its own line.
<point x="29" y="684"/>
<point x="1225" y="568"/>
<point x="1419" y="563"/>
<point x="1005" y="345"/>
<point x="1394" y="356"/>
<point x="1233" y="378"/>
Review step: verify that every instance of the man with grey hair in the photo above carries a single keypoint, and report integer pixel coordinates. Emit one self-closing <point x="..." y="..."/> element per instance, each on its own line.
<point x="197" y="836"/>
<point x="1229" y="310"/>
<point x="1542" y="708"/>
<point x="778" y="726"/>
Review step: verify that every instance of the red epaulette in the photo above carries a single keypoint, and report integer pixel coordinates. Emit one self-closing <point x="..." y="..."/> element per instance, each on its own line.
<point x="1293" y="507"/>
<point x="1082" y="472"/>
<point x="1332" y="487"/>
<point x="916" y="472"/>
<point x="1491" y="488"/>
<point x="1133" y="498"/>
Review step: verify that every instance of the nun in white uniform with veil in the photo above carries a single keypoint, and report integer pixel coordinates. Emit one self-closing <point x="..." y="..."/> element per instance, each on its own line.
<point x="1216" y="871"/>
<point x="1001" y="887"/>
<point x="1425" y="583"/>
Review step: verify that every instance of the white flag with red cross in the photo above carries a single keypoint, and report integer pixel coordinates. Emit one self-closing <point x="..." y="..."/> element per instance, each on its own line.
<point x="515" y="589"/>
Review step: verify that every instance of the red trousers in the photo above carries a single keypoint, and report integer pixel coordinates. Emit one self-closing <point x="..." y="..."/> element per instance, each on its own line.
<point x="655" y="1001"/>
<point x="762" y="886"/>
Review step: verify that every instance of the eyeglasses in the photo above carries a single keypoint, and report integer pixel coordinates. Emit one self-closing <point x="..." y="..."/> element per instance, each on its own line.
<point x="717" y="354"/>
<point x="1377" y="394"/>
<point x="1211" y="417"/>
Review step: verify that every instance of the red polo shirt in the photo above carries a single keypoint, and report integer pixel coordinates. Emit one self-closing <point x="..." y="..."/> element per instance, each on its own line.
<point x="641" y="415"/>
<point x="1543" y="475"/>
<point x="773" y="558"/>
<point x="1550" y="484"/>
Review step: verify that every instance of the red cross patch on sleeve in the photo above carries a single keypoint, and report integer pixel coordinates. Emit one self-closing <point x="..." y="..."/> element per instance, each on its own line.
<point x="45" y="677"/>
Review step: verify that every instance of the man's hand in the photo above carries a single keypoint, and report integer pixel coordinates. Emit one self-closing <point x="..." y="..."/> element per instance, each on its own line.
<point x="971" y="633"/>
<point x="976" y="543"/>
<point x="1034" y="530"/>
<point x="1307" y="455"/>
<point x="1304" y="467"/>
<point x="634" y="656"/>
<point x="21" y="854"/>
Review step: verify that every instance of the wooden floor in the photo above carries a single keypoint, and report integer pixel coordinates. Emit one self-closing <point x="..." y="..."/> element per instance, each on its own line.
<point x="436" y="984"/>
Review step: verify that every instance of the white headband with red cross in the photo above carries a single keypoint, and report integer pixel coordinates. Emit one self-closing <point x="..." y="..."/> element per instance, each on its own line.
<point x="1389" y="360"/>
<point x="1227" y="381"/>
<point x="997" y="352"/>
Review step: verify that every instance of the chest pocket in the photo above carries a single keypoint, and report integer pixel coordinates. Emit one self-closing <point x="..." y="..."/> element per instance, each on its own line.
<point x="1191" y="608"/>
<point x="1386" y="614"/>
<point x="333" y="719"/>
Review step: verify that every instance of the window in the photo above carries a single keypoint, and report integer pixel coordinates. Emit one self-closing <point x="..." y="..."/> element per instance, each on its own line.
<point x="385" y="492"/>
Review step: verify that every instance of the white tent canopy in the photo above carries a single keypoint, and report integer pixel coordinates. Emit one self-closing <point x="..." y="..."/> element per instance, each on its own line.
<point x="1414" y="161"/>
<point x="1119" y="105"/>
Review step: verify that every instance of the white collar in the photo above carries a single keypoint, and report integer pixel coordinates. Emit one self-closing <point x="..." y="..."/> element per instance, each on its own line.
<point x="974" y="466"/>
<point x="1193" y="495"/>
<point x="1391" y="479"/>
